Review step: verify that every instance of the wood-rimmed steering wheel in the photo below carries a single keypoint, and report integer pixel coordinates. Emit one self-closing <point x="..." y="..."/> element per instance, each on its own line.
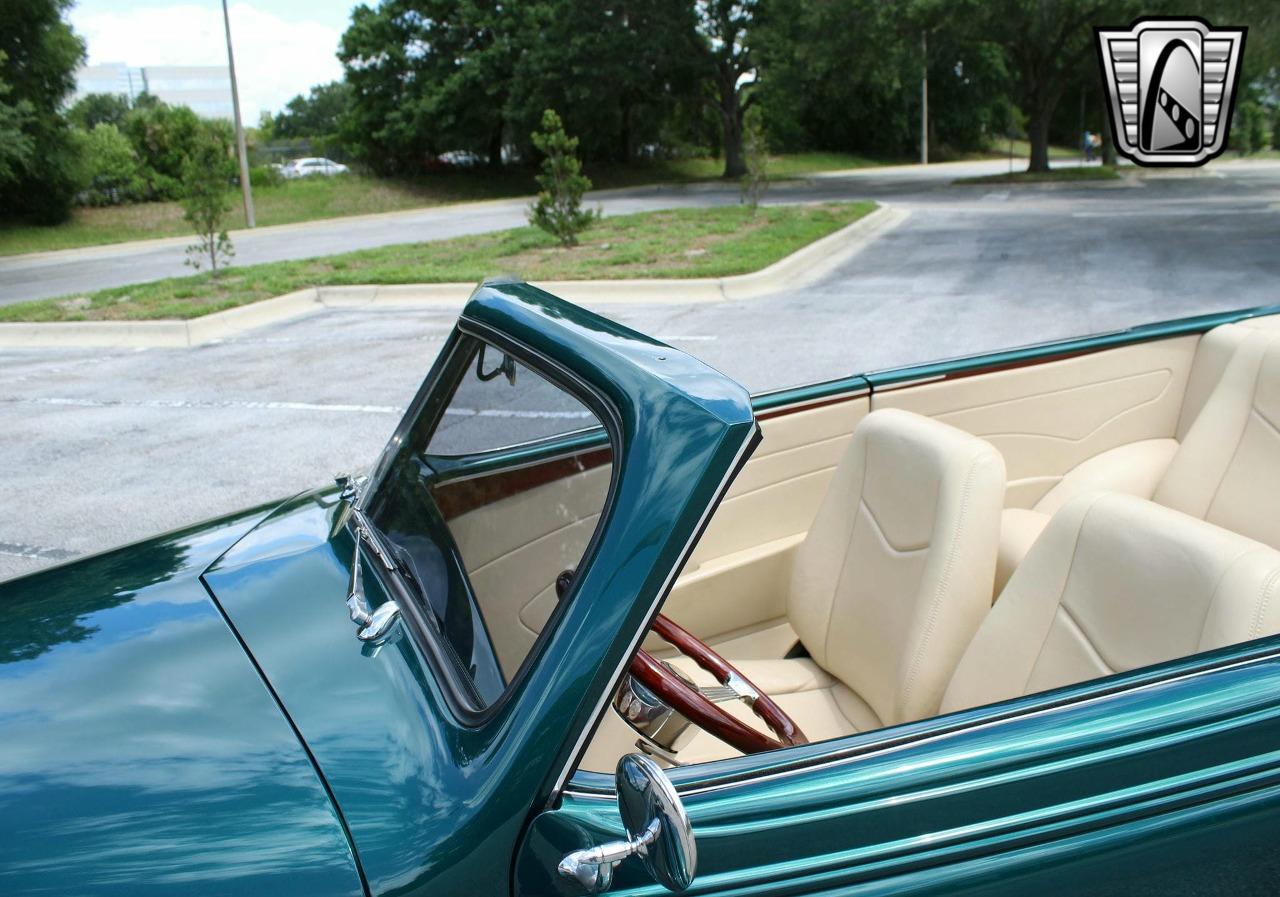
<point x="701" y="710"/>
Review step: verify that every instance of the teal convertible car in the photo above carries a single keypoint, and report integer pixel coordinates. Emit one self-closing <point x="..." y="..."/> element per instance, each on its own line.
<point x="599" y="621"/>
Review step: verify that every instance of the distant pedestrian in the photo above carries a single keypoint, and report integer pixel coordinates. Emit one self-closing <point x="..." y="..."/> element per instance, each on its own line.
<point x="1088" y="146"/>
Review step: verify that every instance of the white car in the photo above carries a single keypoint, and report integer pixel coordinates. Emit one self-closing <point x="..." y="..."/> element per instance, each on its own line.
<point x="307" y="167"/>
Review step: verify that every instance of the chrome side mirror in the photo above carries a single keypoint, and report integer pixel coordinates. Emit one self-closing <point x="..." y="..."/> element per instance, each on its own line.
<point x="658" y="832"/>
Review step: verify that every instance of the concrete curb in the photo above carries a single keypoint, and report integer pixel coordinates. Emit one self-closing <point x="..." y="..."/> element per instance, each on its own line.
<point x="802" y="267"/>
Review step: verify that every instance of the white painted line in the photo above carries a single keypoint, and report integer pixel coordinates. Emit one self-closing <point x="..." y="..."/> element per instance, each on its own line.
<point x="183" y="404"/>
<point x="34" y="552"/>
<point x="680" y="338"/>
<point x="997" y="196"/>
<point x="194" y="405"/>
<point x="1156" y="212"/>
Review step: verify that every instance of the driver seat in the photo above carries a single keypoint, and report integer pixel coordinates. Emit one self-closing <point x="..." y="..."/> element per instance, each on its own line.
<point x="889" y="585"/>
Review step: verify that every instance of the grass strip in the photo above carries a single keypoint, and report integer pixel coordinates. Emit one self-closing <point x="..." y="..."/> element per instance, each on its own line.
<point x="707" y="242"/>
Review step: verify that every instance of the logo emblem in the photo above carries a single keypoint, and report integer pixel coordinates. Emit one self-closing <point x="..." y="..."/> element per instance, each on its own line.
<point x="1172" y="88"/>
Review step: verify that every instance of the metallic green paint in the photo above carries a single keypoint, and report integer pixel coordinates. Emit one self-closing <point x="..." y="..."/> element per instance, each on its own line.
<point x="140" y="751"/>
<point x="1165" y="781"/>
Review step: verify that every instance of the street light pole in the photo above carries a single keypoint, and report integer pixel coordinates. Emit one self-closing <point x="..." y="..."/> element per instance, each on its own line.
<point x="245" y="189"/>
<point x="924" y="97"/>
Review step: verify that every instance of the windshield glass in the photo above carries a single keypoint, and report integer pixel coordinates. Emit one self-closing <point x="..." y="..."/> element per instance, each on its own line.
<point x="498" y="511"/>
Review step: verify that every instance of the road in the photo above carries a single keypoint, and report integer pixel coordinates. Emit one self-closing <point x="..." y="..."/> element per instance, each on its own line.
<point x="68" y="272"/>
<point x="104" y="446"/>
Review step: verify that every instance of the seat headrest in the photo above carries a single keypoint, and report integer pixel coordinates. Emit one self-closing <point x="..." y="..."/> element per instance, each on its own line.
<point x="1113" y="584"/>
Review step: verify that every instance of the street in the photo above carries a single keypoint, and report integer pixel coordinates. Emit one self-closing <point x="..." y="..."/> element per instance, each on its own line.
<point x="62" y="273"/>
<point x="106" y="446"/>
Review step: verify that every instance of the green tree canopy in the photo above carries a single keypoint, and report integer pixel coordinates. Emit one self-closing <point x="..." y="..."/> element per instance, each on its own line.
<point x="99" y="108"/>
<point x="318" y="114"/>
<point x="39" y="54"/>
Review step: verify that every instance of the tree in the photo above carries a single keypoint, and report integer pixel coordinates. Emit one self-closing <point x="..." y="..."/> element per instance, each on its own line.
<point x="16" y="143"/>
<point x="206" y="175"/>
<point x="428" y="76"/>
<point x="318" y="114"/>
<point x="615" y="71"/>
<point x="724" y="25"/>
<point x="99" y="108"/>
<point x="39" y="54"/>
<point x="558" y="208"/>
<point x="846" y="76"/>
<point x="1047" y="45"/>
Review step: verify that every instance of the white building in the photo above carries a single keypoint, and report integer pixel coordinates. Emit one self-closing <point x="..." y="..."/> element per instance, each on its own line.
<point x="205" y="88"/>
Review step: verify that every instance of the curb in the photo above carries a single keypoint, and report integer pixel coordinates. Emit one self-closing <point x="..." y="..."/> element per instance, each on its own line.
<point x="804" y="266"/>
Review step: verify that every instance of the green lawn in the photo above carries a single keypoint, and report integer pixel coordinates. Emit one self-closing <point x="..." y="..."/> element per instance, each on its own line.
<point x="713" y="242"/>
<point x="1093" y="173"/>
<point x="310" y="199"/>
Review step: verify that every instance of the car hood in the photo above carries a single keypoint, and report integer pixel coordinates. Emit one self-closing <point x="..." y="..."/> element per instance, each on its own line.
<point x="140" y="750"/>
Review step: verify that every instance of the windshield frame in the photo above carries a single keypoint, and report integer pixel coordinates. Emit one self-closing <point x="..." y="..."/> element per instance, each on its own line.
<point x="408" y="445"/>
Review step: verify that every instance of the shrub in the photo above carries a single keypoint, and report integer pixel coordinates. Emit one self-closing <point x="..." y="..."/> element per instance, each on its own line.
<point x="206" y="174"/>
<point x="265" y="176"/>
<point x="110" y="171"/>
<point x="1249" y="130"/>
<point x="558" y="208"/>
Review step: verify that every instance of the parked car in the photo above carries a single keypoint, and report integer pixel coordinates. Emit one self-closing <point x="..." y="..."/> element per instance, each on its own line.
<point x="450" y="675"/>
<point x="313" y="166"/>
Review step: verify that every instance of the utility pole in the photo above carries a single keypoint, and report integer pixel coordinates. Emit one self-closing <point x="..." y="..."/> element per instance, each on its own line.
<point x="245" y="189"/>
<point x="924" y="97"/>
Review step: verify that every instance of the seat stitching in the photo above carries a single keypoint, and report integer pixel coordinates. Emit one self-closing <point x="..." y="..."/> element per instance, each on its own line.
<point x="1257" y="375"/>
<point x="1084" y="637"/>
<point x="1066" y="581"/>
<point x="1217" y="588"/>
<point x="943" y="583"/>
<point x="1264" y="599"/>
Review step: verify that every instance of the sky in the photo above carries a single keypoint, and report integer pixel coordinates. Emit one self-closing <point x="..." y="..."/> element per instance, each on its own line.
<point x="282" y="47"/>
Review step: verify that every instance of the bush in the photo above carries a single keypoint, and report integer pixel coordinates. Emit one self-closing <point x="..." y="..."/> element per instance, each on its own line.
<point x="558" y="208"/>
<point x="1249" y="130"/>
<point x="110" y="171"/>
<point x="265" y="176"/>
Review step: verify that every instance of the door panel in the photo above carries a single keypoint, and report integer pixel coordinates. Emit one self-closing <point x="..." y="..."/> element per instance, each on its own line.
<point x="1047" y="418"/>
<point x="1172" y="788"/>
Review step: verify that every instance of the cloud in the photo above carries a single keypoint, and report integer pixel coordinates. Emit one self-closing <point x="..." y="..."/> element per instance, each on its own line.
<point x="276" y="58"/>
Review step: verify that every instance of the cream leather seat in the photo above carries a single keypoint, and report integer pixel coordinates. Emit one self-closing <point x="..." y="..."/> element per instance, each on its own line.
<point x="889" y="585"/>
<point x="1116" y="583"/>
<point x="1226" y="469"/>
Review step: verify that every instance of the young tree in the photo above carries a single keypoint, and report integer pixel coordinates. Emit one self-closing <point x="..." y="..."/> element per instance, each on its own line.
<point x="724" y="25"/>
<point x="558" y="209"/>
<point x="206" y="176"/>
<point x="39" y="54"/>
<point x="756" y="153"/>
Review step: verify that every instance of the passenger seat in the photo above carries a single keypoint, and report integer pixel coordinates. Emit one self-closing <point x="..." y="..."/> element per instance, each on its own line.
<point x="1225" y="471"/>
<point x="1117" y="583"/>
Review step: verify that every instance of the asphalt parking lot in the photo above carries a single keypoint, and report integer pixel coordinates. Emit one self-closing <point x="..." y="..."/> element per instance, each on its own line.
<point x="102" y="446"/>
